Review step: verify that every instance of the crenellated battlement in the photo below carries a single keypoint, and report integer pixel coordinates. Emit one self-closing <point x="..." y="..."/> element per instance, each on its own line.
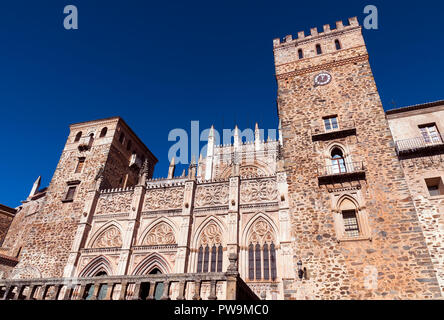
<point x="314" y="34"/>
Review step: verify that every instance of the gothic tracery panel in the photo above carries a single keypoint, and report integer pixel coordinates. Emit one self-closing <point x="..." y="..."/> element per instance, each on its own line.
<point x="109" y="238"/>
<point x="258" y="191"/>
<point x="166" y="198"/>
<point x="161" y="234"/>
<point x="212" y="195"/>
<point x="114" y="203"/>
<point x="261" y="232"/>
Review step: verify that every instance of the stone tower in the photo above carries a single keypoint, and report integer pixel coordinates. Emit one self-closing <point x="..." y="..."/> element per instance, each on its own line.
<point x="97" y="154"/>
<point x="355" y="229"/>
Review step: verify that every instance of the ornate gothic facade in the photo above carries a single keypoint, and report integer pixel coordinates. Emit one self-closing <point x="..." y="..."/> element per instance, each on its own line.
<point x="347" y="204"/>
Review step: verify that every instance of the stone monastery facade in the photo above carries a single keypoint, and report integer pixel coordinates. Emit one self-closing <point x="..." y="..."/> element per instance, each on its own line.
<point x="347" y="204"/>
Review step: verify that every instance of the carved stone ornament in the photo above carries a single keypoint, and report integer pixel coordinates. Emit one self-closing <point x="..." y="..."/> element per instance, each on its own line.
<point x="212" y="195"/>
<point x="167" y="198"/>
<point x="261" y="233"/>
<point x="211" y="235"/>
<point x="258" y="191"/>
<point x="109" y="238"/>
<point x="161" y="234"/>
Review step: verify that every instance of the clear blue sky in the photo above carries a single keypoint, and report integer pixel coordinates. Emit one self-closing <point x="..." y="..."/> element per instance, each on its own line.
<point x="160" y="65"/>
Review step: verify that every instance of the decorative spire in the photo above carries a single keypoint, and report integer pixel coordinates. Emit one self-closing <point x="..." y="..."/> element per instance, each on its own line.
<point x="171" y="169"/>
<point x="35" y="187"/>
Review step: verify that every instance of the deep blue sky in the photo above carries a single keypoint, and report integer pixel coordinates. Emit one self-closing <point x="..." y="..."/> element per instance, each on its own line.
<point x="159" y="66"/>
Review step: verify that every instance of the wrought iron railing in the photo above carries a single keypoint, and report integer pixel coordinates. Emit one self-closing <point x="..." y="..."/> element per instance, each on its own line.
<point x="341" y="169"/>
<point x="416" y="144"/>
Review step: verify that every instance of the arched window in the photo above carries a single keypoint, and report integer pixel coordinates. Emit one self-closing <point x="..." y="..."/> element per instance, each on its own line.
<point x="318" y="49"/>
<point x="210" y="252"/>
<point x="350" y="219"/>
<point x="338" y="161"/>
<point x="301" y="54"/>
<point x="122" y="138"/>
<point x="338" y="44"/>
<point x="78" y="136"/>
<point x="103" y="132"/>
<point x="261" y="253"/>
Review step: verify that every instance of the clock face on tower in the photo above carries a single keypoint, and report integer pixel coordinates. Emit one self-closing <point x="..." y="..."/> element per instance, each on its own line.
<point x="322" y="79"/>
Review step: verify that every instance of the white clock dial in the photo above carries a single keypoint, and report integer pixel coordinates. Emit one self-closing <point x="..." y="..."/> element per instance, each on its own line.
<point x="322" y="79"/>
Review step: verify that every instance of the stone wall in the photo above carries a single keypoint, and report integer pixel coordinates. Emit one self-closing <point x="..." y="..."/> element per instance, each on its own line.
<point x="392" y="261"/>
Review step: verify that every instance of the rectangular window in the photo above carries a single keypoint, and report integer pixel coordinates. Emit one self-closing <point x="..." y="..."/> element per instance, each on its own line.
<point x="435" y="187"/>
<point x="70" y="194"/>
<point x="351" y="226"/>
<point x="430" y="134"/>
<point x="80" y="164"/>
<point x="331" y="123"/>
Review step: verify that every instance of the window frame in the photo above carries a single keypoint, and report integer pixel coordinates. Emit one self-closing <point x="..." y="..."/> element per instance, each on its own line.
<point x="428" y="135"/>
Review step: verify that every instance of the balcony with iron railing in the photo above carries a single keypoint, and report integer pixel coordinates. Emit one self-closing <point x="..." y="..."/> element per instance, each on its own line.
<point x="419" y="145"/>
<point x="133" y="287"/>
<point x="341" y="172"/>
<point x="344" y="129"/>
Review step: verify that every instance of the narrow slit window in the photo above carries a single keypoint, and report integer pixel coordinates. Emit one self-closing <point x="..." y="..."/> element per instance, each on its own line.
<point x="206" y="259"/>
<point x="301" y="54"/>
<point x="199" y="259"/>
<point x="251" y="262"/>
<point x="338" y="45"/>
<point x="78" y="136"/>
<point x="213" y="258"/>
<point x="258" y="262"/>
<point x="80" y="165"/>
<point x="273" y="262"/>
<point x="318" y="49"/>
<point x="70" y="193"/>
<point x="219" y="258"/>
<point x="103" y="132"/>
<point x="266" y="263"/>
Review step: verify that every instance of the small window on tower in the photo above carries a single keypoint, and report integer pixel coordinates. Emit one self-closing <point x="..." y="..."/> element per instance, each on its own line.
<point x="122" y="138"/>
<point x="78" y="136"/>
<point x="80" y="164"/>
<point x="318" y="49"/>
<point x="331" y="123"/>
<point x="103" y="132"/>
<point x="338" y="44"/>
<point x="430" y="134"/>
<point x="351" y="226"/>
<point x="301" y="54"/>
<point x="435" y="187"/>
<point x="128" y="146"/>
<point x="70" y="194"/>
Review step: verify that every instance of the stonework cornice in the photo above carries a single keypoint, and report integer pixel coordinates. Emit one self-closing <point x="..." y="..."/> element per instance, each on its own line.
<point x="322" y="67"/>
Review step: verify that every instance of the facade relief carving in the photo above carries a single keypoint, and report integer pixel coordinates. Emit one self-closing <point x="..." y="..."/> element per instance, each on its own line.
<point x="166" y="198"/>
<point x="114" y="203"/>
<point x="109" y="238"/>
<point x="212" y="195"/>
<point x="211" y="235"/>
<point x="258" y="191"/>
<point x="161" y="234"/>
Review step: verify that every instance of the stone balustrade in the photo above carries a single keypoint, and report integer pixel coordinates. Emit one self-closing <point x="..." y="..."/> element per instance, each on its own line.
<point x="142" y="287"/>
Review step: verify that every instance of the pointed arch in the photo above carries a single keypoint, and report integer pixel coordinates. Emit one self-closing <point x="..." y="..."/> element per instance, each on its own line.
<point x="109" y="234"/>
<point x="96" y="266"/>
<point x="260" y="237"/>
<point x="248" y="228"/>
<point x="151" y="262"/>
<point x="154" y="224"/>
<point x="209" y="220"/>
<point x="261" y="167"/>
<point x="347" y="202"/>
